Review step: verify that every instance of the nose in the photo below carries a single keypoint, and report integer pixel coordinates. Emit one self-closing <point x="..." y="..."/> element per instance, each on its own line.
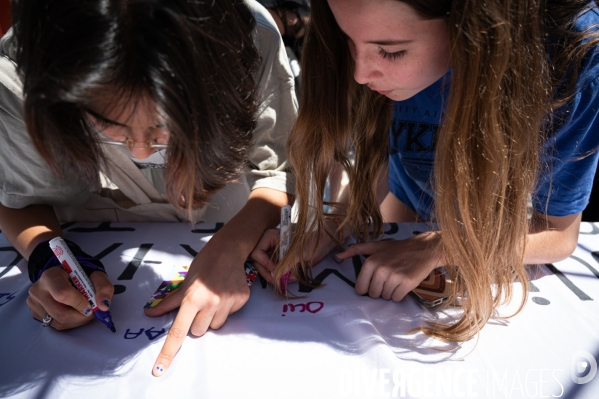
<point x="365" y="67"/>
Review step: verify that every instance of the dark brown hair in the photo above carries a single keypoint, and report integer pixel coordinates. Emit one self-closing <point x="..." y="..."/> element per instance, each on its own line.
<point x="502" y="97"/>
<point x="193" y="59"/>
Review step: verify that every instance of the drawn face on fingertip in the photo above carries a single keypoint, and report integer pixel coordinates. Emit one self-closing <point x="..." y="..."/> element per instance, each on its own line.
<point x="396" y="52"/>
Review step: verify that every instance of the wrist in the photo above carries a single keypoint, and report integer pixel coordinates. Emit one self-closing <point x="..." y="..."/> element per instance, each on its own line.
<point x="436" y="245"/>
<point x="227" y="246"/>
<point x="431" y="244"/>
<point x="42" y="258"/>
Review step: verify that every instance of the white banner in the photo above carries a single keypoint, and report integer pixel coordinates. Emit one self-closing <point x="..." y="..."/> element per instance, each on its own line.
<point x="329" y="343"/>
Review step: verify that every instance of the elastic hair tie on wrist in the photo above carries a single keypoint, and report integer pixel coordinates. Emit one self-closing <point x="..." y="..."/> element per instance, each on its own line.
<point x="42" y="258"/>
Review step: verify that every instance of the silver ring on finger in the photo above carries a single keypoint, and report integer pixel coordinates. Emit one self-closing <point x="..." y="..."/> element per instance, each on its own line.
<point x="47" y="320"/>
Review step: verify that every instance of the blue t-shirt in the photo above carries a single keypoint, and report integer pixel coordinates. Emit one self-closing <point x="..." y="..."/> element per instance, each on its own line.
<point x="570" y="159"/>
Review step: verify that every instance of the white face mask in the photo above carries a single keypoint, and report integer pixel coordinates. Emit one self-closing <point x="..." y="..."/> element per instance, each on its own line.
<point x="155" y="161"/>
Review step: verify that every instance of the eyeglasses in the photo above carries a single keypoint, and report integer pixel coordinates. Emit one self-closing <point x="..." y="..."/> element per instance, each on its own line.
<point x="130" y="143"/>
<point x="158" y="143"/>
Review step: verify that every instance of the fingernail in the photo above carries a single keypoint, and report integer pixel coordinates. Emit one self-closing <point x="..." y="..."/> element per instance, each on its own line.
<point x="106" y="303"/>
<point x="87" y="311"/>
<point x="158" y="370"/>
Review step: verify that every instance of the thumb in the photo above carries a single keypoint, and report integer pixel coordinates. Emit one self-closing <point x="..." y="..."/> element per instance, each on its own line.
<point x="104" y="289"/>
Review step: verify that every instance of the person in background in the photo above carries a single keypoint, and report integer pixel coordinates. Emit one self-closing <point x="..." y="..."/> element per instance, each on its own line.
<point x="292" y="18"/>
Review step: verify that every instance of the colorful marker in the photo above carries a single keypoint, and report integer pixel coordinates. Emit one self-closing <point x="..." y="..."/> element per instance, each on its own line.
<point x="79" y="279"/>
<point x="284" y="239"/>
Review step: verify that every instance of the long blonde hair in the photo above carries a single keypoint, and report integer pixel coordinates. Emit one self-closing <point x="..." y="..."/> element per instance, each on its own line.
<point x="503" y="92"/>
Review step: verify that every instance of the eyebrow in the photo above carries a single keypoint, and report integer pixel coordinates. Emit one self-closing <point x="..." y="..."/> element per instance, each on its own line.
<point x="102" y="118"/>
<point x="381" y="42"/>
<point x="389" y="42"/>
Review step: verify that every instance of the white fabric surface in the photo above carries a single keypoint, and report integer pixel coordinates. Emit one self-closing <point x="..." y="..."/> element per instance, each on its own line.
<point x="342" y="345"/>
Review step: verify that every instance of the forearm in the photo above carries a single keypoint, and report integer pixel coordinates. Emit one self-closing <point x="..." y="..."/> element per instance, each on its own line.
<point x="26" y="227"/>
<point x="551" y="239"/>
<point x="261" y="212"/>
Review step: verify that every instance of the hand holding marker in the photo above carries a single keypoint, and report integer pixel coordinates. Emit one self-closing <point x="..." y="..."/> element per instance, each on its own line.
<point x="284" y="239"/>
<point x="80" y="280"/>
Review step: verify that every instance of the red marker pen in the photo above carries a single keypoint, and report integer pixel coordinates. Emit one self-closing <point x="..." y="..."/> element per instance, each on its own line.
<point x="79" y="279"/>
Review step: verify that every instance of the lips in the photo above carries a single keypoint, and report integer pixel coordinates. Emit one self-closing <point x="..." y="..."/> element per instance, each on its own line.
<point x="383" y="92"/>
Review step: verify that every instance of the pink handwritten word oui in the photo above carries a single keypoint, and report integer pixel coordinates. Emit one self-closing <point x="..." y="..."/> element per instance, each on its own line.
<point x="312" y="307"/>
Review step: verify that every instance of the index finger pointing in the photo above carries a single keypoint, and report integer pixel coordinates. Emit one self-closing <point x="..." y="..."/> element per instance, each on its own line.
<point x="174" y="340"/>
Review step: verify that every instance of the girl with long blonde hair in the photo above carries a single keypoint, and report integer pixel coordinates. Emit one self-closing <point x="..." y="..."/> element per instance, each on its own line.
<point x="473" y="111"/>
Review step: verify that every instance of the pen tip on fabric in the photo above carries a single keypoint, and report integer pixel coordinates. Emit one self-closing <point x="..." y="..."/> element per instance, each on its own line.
<point x="113" y="329"/>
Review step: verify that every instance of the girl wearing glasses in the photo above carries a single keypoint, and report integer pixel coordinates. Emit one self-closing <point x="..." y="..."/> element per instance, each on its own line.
<point x="143" y="111"/>
<point x="486" y="115"/>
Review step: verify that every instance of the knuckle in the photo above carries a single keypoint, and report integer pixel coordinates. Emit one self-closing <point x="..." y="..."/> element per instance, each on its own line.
<point x="196" y="301"/>
<point x="381" y="272"/>
<point x="58" y="318"/>
<point x="199" y="298"/>
<point x="244" y="297"/>
<point x="396" y="278"/>
<point x="30" y="302"/>
<point x="369" y="264"/>
<point x="176" y="333"/>
<point x="407" y="281"/>
<point x="60" y="315"/>
<point x="213" y="301"/>
<point x="61" y="295"/>
<point x="34" y="290"/>
<point x="80" y="303"/>
<point x="108" y="290"/>
<point x="398" y="296"/>
<point x="238" y="303"/>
